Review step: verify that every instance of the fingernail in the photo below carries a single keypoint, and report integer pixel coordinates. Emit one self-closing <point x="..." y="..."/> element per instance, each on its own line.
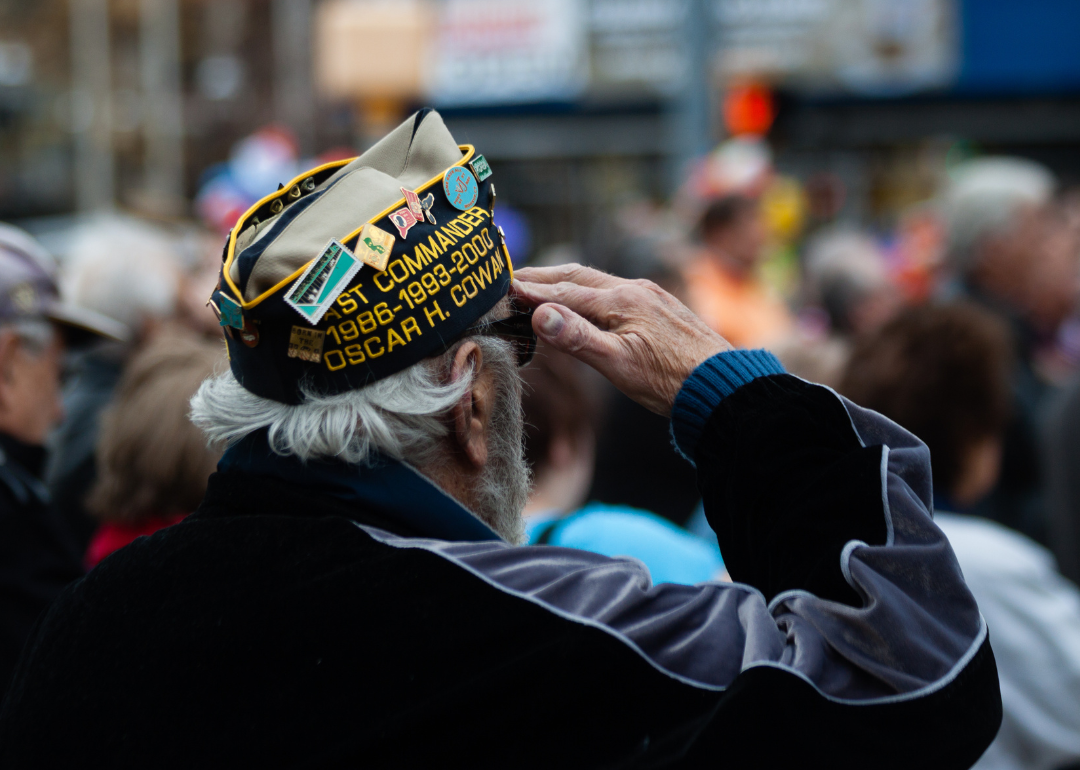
<point x="550" y="322"/>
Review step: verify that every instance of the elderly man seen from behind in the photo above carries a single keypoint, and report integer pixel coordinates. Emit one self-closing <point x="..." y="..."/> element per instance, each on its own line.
<point x="349" y="592"/>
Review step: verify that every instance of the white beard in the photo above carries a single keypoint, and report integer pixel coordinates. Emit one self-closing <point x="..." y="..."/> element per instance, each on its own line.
<point x="505" y="481"/>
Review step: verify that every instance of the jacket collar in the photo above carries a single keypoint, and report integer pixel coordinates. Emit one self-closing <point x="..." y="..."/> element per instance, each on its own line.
<point x="394" y="490"/>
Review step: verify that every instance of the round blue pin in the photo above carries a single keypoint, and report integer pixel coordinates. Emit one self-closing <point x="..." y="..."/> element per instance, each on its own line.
<point x="460" y="187"/>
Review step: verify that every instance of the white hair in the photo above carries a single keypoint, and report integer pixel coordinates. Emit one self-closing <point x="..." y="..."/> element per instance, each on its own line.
<point x="403" y="416"/>
<point x="983" y="196"/>
<point x="400" y="416"/>
<point x="124" y="269"/>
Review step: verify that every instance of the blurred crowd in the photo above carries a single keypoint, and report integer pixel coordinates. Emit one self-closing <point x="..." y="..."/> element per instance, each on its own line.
<point x="959" y="321"/>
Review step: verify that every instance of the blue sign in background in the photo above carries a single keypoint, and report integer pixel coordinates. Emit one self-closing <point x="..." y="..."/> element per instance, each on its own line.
<point x="1014" y="46"/>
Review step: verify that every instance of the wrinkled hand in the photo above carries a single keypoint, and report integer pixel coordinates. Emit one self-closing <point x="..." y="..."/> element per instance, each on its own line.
<point x="633" y="332"/>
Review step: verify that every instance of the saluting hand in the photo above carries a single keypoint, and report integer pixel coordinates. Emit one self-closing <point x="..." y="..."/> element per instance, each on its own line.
<point x="633" y="332"/>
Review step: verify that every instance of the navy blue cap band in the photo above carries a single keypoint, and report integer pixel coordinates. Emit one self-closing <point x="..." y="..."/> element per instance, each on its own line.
<point x="439" y="280"/>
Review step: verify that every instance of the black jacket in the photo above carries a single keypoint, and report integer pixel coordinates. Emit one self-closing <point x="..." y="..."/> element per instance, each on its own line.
<point x="295" y="624"/>
<point x="38" y="556"/>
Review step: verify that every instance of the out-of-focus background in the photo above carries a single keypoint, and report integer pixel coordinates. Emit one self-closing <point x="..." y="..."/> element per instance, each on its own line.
<point x="797" y="171"/>
<point x="884" y="193"/>
<point x="586" y="107"/>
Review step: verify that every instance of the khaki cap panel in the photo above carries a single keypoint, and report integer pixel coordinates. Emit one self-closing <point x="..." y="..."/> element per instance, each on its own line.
<point x="248" y="237"/>
<point x="357" y="197"/>
<point x="356" y="193"/>
<point x="412" y="159"/>
<point x="433" y="151"/>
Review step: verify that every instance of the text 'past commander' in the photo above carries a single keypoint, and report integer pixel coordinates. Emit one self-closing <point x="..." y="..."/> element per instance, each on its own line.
<point x="351" y="591"/>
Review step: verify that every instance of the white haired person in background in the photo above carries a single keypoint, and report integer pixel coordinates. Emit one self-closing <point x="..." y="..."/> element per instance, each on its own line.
<point x="129" y="271"/>
<point x="1013" y="251"/>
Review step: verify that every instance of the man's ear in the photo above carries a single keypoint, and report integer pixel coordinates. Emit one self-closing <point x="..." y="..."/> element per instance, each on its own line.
<point x="471" y="415"/>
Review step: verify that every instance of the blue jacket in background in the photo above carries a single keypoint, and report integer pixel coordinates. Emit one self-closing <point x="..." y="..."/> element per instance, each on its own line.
<point x="672" y="554"/>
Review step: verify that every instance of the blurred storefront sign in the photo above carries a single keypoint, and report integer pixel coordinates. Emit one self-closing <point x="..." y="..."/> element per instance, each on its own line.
<point x="637" y="43"/>
<point x="374" y="54"/>
<point x="371" y="49"/>
<point x="1016" y="47"/>
<point x="508" y="51"/>
<point x="870" y="47"/>
<point x="93" y="112"/>
<point x="460" y="53"/>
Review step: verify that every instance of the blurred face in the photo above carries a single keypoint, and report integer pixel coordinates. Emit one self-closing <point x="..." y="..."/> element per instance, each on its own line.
<point x="1054" y="282"/>
<point x="741" y="242"/>
<point x="30" y="402"/>
<point x="876" y="309"/>
<point x="1034" y="266"/>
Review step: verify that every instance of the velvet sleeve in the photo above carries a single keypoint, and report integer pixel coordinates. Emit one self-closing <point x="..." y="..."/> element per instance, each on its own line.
<point x="785" y="479"/>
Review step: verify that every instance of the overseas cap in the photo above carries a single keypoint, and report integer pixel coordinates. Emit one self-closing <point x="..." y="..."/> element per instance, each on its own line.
<point x="359" y="269"/>
<point x="28" y="289"/>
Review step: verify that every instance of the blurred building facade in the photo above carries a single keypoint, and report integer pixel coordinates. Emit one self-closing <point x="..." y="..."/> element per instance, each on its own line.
<point x="583" y="106"/>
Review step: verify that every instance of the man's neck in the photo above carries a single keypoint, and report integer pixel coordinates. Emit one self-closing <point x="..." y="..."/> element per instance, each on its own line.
<point x="390" y="487"/>
<point x="455" y="478"/>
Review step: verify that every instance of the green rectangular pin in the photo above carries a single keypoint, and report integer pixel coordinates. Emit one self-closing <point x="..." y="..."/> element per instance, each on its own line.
<point x="480" y="167"/>
<point x="323" y="281"/>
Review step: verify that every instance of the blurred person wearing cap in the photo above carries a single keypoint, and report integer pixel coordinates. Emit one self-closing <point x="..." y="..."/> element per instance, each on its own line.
<point x="39" y="554"/>
<point x="350" y="590"/>
<point x="722" y="283"/>
<point x="560" y="447"/>
<point x="942" y="372"/>
<point x="126" y="270"/>
<point x="1013" y="252"/>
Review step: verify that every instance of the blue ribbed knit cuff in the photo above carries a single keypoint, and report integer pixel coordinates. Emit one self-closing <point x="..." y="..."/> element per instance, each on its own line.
<point x="712" y="382"/>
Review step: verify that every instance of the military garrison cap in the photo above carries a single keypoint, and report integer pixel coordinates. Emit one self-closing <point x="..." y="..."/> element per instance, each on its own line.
<point x="361" y="268"/>
<point x="28" y="290"/>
